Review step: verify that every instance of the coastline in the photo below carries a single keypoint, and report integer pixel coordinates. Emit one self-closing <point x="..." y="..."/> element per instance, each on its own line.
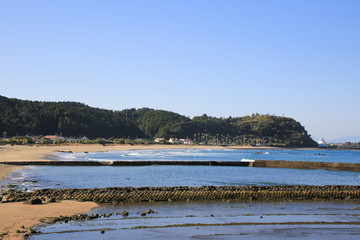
<point x="19" y="153"/>
<point x="15" y="215"/>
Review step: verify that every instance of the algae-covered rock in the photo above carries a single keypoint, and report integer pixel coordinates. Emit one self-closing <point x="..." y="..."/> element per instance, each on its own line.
<point x="34" y="201"/>
<point x="149" y="211"/>
<point x="125" y="213"/>
<point x="8" y="198"/>
<point x="50" y="199"/>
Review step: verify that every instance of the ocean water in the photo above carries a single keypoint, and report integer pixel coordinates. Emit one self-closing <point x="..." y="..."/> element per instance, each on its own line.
<point x="313" y="155"/>
<point x="36" y="177"/>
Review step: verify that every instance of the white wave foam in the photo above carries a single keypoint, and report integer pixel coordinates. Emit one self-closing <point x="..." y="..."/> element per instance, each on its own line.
<point x="20" y="174"/>
<point x="99" y="159"/>
<point x="247" y="160"/>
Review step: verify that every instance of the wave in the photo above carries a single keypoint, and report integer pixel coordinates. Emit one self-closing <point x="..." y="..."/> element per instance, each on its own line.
<point x="247" y="160"/>
<point x="21" y="174"/>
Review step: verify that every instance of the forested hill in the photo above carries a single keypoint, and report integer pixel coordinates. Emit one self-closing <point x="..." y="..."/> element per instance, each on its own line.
<point x="76" y="119"/>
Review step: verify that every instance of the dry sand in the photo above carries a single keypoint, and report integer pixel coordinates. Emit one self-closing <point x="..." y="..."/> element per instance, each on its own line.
<point x="15" y="215"/>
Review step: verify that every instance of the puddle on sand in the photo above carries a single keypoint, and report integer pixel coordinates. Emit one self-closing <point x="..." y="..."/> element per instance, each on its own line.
<point x="216" y="220"/>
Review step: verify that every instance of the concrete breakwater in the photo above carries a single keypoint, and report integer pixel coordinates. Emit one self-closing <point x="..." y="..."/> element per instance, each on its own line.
<point x="256" y="163"/>
<point x="129" y="163"/>
<point x="141" y="194"/>
<point x="355" y="167"/>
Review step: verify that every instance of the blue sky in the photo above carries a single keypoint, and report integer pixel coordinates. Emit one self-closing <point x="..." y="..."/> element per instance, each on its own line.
<point x="224" y="58"/>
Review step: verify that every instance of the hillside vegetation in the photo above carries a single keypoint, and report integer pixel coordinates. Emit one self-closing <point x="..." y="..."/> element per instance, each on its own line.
<point x="21" y="117"/>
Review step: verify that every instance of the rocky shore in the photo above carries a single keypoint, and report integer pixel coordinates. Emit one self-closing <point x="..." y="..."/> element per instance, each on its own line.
<point x="141" y="194"/>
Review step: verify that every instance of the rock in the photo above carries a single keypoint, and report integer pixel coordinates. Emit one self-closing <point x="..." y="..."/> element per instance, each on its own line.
<point x="143" y="214"/>
<point x="31" y="231"/>
<point x="50" y="199"/>
<point x="34" y="201"/>
<point x="7" y="198"/>
<point x="149" y="211"/>
<point x="124" y="213"/>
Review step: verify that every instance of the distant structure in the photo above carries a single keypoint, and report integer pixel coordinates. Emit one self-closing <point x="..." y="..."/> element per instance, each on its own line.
<point x="322" y="143"/>
<point x="173" y="140"/>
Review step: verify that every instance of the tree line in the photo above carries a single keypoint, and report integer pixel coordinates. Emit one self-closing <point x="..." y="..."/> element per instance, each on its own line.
<point x="22" y="117"/>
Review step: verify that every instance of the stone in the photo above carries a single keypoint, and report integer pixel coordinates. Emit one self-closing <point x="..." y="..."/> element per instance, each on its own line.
<point x="50" y="199"/>
<point x="7" y="198"/>
<point x="149" y="211"/>
<point x="34" y="201"/>
<point x="31" y="231"/>
<point x="124" y="213"/>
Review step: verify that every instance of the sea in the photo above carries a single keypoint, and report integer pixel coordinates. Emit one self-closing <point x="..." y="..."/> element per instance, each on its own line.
<point x="202" y="220"/>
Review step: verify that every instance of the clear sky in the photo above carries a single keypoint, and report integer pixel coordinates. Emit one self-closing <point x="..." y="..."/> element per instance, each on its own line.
<point x="298" y="58"/>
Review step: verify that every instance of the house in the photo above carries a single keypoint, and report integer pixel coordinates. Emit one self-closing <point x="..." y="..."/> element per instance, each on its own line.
<point x="188" y="141"/>
<point x="159" y="140"/>
<point x="53" y="138"/>
<point x="173" y="140"/>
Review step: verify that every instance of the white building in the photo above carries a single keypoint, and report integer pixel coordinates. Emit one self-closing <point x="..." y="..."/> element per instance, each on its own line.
<point x="188" y="141"/>
<point x="322" y="143"/>
<point x="159" y="140"/>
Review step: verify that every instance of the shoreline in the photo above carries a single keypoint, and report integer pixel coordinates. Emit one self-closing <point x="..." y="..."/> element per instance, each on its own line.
<point x="19" y="214"/>
<point x="20" y="153"/>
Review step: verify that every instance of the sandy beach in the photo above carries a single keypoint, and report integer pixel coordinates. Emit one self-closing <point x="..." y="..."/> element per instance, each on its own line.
<point x="15" y="215"/>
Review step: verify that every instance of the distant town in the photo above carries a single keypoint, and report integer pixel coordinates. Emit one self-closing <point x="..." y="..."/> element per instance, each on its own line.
<point x="345" y="145"/>
<point x="55" y="139"/>
<point x="58" y="139"/>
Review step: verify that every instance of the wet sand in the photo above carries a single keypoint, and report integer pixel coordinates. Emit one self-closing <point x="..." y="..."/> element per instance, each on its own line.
<point x="5" y="170"/>
<point x="216" y="220"/>
<point x="15" y="215"/>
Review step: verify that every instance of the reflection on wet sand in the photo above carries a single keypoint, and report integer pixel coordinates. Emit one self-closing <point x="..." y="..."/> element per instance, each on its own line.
<point x="216" y="220"/>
